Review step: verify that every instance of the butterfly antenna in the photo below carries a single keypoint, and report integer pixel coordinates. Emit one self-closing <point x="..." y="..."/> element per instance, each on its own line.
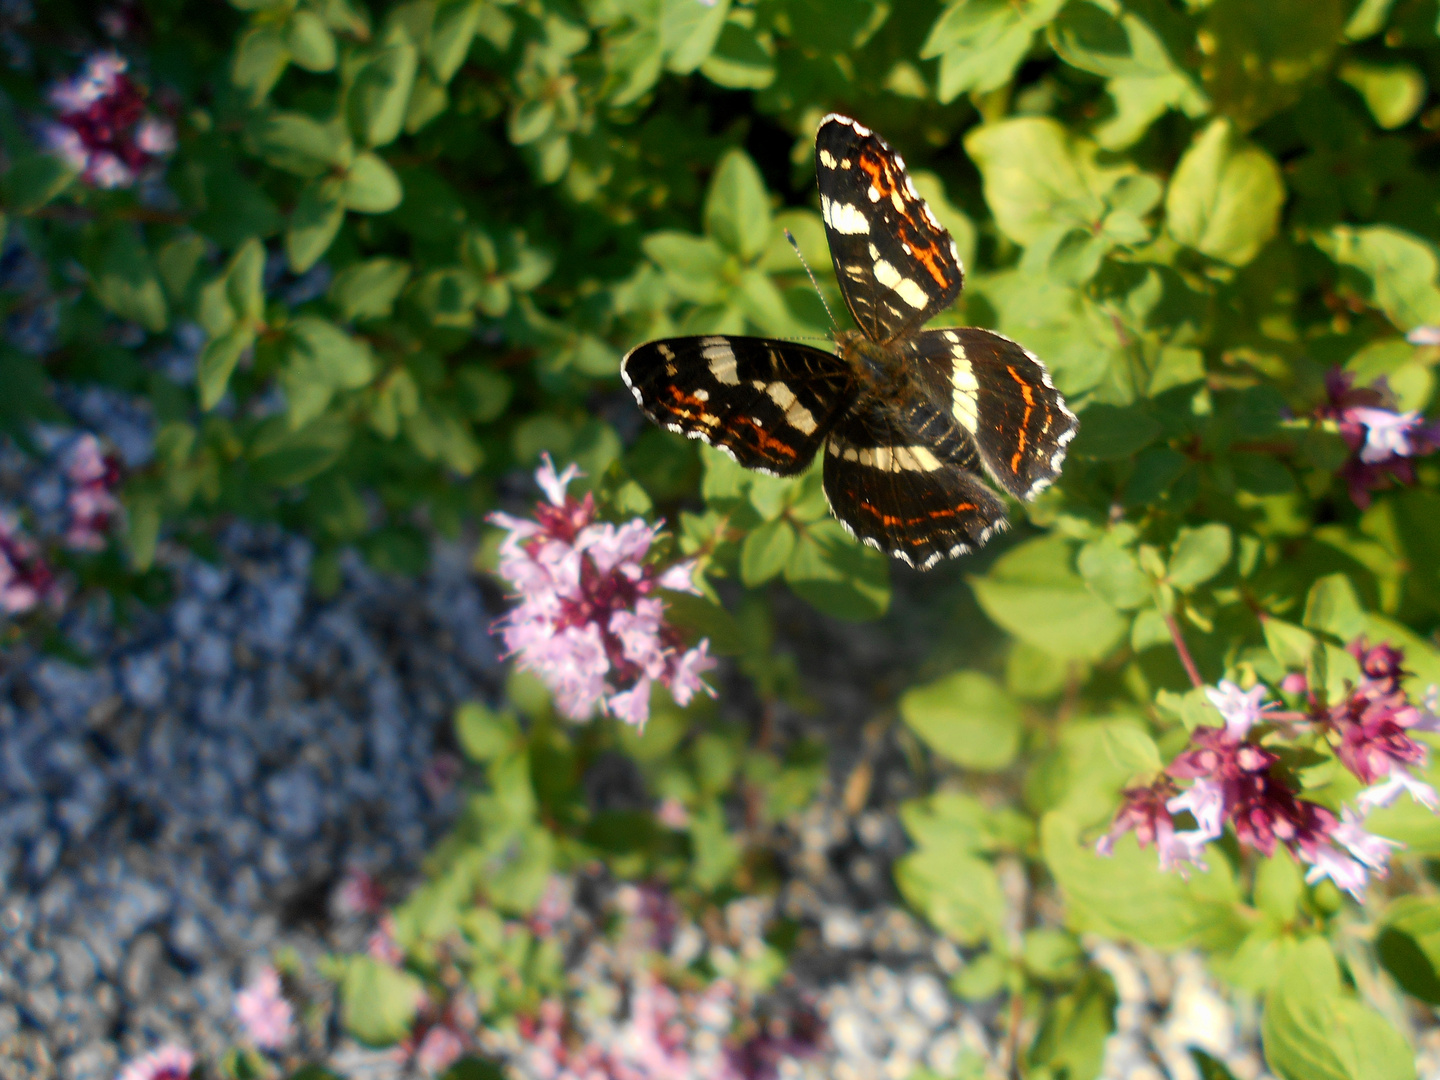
<point x="811" y="275"/>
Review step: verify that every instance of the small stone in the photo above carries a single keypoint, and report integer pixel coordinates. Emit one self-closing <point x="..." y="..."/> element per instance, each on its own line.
<point x="96" y="1060"/>
<point x="42" y="1003"/>
<point x="138" y="977"/>
<point x="943" y="1053"/>
<point x="77" y="964"/>
<point x="874" y="829"/>
<point x="881" y="994"/>
<point x="24" y="1057"/>
<point x="842" y="930"/>
<point x="851" y="1034"/>
<point x="145" y="679"/>
<point x="928" y="999"/>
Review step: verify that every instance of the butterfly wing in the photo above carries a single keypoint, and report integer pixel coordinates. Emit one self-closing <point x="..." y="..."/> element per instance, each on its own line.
<point x="1003" y="397"/>
<point x="769" y="404"/>
<point x="900" y="497"/>
<point x="896" y="264"/>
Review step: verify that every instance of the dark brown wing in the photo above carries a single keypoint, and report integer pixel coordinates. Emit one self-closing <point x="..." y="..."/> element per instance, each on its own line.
<point x="900" y="497"/>
<point x="1002" y="396"/>
<point x="896" y="264"/>
<point x="769" y="404"/>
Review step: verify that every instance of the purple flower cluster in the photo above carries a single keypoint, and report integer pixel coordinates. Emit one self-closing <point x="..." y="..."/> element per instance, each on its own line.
<point x="102" y="128"/>
<point x="588" y="621"/>
<point x="1236" y="780"/>
<point x="26" y="580"/>
<point x="91" y="502"/>
<point x="1383" y="442"/>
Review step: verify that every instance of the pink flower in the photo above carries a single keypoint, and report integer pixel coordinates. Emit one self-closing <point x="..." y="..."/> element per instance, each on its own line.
<point x="382" y="944"/>
<point x="26" y="580"/>
<point x="1373" y="851"/>
<point x="166" y="1063"/>
<point x="587" y="622"/>
<point x="360" y="894"/>
<point x="1206" y="803"/>
<point x="92" y="506"/>
<point x="1424" y="335"/>
<point x="672" y="814"/>
<point x="1347" y="873"/>
<point x="263" y="1012"/>
<point x="1382" y="441"/>
<point x="102" y="127"/>
<point x="1242" y="709"/>
<point x="439" y="1049"/>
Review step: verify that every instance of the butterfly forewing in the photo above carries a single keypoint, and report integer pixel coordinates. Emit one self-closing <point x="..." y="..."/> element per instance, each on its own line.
<point x="768" y="403"/>
<point x="1003" y="397"/>
<point x="902" y="498"/>
<point x="896" y="265"/>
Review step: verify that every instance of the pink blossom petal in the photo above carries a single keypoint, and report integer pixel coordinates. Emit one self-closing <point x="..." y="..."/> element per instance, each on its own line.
<point x="680" y="578"/>
<point x="1370" y="849"/>
<point x="1399" y="782"/>
<point x="686" y="680"/>
<point x="1242" y="709"/>
<point x="155" y="136"/>
<point x="633" y="705"/>
<point x="1347" y="873"/>
<point x="1387" y="433"/>
<point x="1424" y="335"/>
<point x="440" y="1049"/>
<point x="552" y="484"/>
<point x="1206" y="801"/>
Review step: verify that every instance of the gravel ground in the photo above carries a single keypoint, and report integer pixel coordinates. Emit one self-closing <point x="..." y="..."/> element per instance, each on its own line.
<point x="186" y="804"/>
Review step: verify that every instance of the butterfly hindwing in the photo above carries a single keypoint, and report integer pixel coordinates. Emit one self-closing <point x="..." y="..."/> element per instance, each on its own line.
<point x="1003" y="397"/>
<point x="767" y="403"/>
<point x="896" y="264"/>
<point x="902" y="498"/>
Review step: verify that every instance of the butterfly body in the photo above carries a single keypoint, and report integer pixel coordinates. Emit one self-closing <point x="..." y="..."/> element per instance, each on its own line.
<point x="908" y="420"/>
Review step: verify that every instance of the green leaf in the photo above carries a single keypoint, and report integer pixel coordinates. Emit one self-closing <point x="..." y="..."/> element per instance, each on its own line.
<point x="766" y="551"/>
<point x="1333" y="607"/>
<point x="380" y="1002"/>
<point x="287" y="458"/>
<point x="1198" y="555"/>
<point x="834" y="573"/>
<point x="1032" y="592"/>
<point x="142" y="531"/>
<point x="35" y="179"/>
<point x="1258" y="59"/>
<point x="261" y="57"/>
<point x="1392" y="92"/>
<point x="1313" y="1031"/>
<point x="981" y="42"/>
<point x="1289" y="644"/>
<point x="485" y="734"/>
<point x="980" y="979"/>
<point x="958" y="893"/>
<point x="1279" y="887"/>
<point x="381" y="94"/>
<point x="450" y="36"/>
<point x="966" y="717"/>
<point x="1408" y="946"/>
<point x="217" y="363"/>
<point x="717" y="854"/>
<point x="740" y="60"/>
<point x="315" y="222"/>
<point x="1401" y="267"/>
<point x="320" y="359"/>
<point x="371" y="186"/>
<point x="1127" y="896"/>
<point x="737" y="207"/>
<point x="692" y="264"/>
<point x="448" y="297"/>
<point x="124" y="278"/>
<point x="244" y="281"/>
<point x="707" y="619"/>
<point x="1225" y="197"/>
<point x="1114" y="432"/>
<point x="1112" y="571"/>
<point x="311" y="44"/>
<point x="688" y="32"/>
<point x="301" y="145"/>
<point x="1038" y="176"/>
<point x="368" y="290"/>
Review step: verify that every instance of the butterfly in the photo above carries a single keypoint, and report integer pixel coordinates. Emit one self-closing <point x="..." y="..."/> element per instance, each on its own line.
<point x="909" y="420"/>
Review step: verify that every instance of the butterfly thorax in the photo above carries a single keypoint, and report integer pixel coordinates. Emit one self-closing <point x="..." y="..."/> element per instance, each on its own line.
<point x="879" y="369"/>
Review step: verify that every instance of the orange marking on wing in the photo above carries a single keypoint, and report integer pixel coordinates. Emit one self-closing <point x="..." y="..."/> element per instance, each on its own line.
<point x="888" y="520"/>
<point x="1029" y="397"/>
<point x="685" y="405"/>
<point x="879" y="173"/>
<point x="764" y="441"/>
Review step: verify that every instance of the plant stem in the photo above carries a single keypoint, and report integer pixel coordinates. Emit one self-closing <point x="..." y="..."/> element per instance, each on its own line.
<point x="1183" y="650"/>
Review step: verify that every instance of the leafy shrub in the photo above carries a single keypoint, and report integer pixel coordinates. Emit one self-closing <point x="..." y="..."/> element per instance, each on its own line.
<point x="367" y="263"/>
